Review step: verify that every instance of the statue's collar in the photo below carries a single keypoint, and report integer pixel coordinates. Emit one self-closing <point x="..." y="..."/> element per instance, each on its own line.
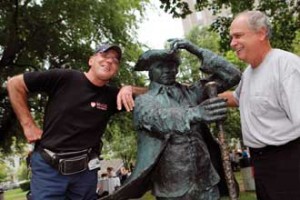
<point x="157" y="88"/>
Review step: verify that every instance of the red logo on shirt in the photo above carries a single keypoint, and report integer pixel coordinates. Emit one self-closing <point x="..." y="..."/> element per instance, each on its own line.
<point x="93" y="104"/>
<point x="98" y="105"/>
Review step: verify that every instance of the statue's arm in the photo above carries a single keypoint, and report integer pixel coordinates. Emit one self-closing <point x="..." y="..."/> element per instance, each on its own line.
<point x="220" y="70"/>
<point x="152" y="116"/>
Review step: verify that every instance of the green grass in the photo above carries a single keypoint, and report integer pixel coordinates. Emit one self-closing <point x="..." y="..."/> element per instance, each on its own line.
<point x="243" y="195"/>
<point x="15" y="194"/>
<point x="18" y="194"/>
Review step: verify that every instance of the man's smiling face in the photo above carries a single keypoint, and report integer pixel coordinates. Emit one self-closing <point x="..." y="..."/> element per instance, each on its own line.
<point x="104" y="65"/>
<point x="244" y="41"/>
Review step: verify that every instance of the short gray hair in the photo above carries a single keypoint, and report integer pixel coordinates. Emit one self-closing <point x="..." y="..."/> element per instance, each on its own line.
<point x="257" y="20"/>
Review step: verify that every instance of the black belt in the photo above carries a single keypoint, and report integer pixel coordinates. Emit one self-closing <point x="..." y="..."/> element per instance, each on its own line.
<point x="67" y="163"/>
<point x="271" y="148"/>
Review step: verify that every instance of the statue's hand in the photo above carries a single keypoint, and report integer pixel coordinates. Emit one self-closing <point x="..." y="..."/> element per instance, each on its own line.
<point x="176" y="44"/>
<point x="211" y="110"/>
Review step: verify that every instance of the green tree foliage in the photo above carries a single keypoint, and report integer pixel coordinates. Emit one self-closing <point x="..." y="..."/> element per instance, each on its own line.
<point x="296" y="44"/>
<point x="178" y="8"/>
<point x="284" y="16"/>
<point x="23" y="172"/>
<point x="120" y="140"/>
<point x="45" y="34"/>
<point x="231" y="57"/>
<point x="3" y="171"/>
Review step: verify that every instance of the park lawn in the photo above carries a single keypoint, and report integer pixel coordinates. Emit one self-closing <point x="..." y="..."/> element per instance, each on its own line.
<point x="18" y="194"/>
<point x="243" y="194"/>
<point x="15" y="194"/>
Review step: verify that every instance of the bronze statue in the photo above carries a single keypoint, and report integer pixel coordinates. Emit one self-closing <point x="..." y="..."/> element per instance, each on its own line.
<point x="177" y="156"/>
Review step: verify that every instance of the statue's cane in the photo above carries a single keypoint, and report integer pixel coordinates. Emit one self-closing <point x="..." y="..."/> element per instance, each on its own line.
<point x="229" y="176"/>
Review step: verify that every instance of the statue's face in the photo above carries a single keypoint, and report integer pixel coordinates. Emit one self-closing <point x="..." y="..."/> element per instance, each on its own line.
<point x="164" y="72"/>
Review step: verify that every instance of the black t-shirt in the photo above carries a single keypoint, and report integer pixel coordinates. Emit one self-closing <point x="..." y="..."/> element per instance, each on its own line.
<point x="77" y="111"/>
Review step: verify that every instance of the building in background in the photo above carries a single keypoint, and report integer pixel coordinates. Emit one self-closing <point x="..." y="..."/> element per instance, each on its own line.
<point x="202" y="18"/>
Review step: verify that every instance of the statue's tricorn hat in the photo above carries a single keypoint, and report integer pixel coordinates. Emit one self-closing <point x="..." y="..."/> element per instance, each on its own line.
<point x="151" y="56"/>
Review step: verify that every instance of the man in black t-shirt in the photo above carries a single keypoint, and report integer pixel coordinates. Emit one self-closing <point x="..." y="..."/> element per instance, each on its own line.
<point x="64" y="162"/>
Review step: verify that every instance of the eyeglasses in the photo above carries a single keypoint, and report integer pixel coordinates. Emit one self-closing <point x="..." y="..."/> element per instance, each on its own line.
<point x="107" y="56"/>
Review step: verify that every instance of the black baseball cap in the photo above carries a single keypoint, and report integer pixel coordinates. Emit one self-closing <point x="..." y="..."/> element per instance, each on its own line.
<point x="105" y="47"/>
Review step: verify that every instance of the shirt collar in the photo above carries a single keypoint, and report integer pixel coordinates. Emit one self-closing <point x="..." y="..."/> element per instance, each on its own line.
<point x="157" y="88"/>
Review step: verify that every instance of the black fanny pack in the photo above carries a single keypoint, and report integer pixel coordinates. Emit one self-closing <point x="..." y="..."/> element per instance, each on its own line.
<point x="67" y="163"/>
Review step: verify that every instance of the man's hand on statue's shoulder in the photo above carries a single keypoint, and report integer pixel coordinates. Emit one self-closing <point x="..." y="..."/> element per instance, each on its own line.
<point x="125" y="98"/>
<point x="126" y="94"/>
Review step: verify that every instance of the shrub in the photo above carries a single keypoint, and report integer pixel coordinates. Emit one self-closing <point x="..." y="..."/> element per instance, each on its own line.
<point x="25" y="185"/>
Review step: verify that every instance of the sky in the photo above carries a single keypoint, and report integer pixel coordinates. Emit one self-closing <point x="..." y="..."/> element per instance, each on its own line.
<point x="159" y="26"/>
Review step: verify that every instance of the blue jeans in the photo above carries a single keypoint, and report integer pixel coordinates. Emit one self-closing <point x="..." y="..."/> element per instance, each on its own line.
<point x="48" y="184"/>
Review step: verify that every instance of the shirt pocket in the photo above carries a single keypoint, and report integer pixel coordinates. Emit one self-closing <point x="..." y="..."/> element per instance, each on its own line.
<point x="259" y="105"/>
